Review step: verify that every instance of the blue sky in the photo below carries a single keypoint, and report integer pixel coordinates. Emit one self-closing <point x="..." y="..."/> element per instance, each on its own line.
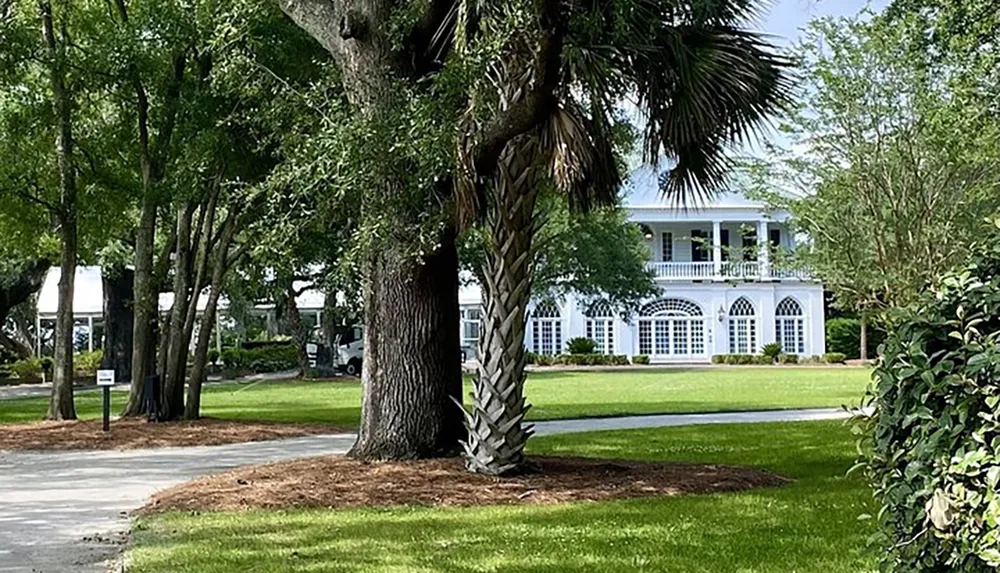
<point x="785" y="18"/>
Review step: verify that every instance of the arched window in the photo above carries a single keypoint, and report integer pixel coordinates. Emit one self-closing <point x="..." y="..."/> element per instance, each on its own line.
<point x="546" y="329"/>
<point x="672" y="327"/>
<point x="601" y="326"/>
<point x="742" y="327"/>
<point x="789" y="326"/>
<point x="671" y="307"/>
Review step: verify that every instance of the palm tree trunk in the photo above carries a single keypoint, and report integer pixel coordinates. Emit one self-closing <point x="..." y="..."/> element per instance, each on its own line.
<point x="497" y="434"/>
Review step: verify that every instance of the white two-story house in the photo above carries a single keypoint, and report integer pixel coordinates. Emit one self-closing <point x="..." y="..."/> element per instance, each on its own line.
<point x="722" y="288"/>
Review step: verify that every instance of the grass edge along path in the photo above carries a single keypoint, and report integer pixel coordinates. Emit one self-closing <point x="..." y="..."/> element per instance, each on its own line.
<point x="808" y="526"/>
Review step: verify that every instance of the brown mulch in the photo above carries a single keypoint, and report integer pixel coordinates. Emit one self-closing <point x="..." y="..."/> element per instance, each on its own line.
<point x="338" y="482"/>
<point x="127" y="434"/>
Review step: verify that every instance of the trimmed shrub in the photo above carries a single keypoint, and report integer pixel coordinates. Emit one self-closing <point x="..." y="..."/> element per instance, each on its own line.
<point x="834" y="358"/>
<point x="530" y="357"/>
<point x="213" y="356"/>
<point x="718" y="359"/>
<point x="271" y="358"/>
<point x="544" y="360"/>
<point x="29" y="368"/>
<point x="640" y="359"/>
<point x="86" y="364"/>
<point x="581" y="345"/>
<point x="934" y="461"/>
<point x="788" y="359"/>
<point x="619" y="360"/>
<point x="772" y="350"/>
<point x="764" y="360"/>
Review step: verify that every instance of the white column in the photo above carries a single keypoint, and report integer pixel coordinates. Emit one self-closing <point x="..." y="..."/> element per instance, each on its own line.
<point x="764" y="253"/>
<point x="90" y="334"/>
<point x="717" y="248"/>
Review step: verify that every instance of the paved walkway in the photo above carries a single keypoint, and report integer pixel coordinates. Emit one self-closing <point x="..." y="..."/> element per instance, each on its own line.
<point x="68" y="511"/>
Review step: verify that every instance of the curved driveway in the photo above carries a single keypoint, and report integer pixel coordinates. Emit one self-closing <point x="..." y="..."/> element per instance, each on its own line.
<point x="68" y="511"/>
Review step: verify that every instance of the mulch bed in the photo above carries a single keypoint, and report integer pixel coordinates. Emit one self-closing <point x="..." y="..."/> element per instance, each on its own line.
<point x="127" y="434"/>
<point x="337" y="482"/>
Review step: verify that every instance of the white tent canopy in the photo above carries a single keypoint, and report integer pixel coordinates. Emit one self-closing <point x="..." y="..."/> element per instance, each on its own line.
<point x="88" y="296"/>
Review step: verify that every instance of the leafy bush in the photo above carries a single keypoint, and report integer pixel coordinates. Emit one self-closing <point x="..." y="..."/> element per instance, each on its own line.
<point x="934" y="461"/>
<point x="640" y="359"/>
<point x="29" y="368"/>
<point x="834" y="358"/>
<point x="592" y="359"/>
<point x="788" y="359"/>
<point x="86" y="364"/>
<point x="544" y="360"/>
<point x="213" y="356"/>
<point x="530" y="357"/>
<point x="843" y="335"/>
<point x="581" y="345"/>
<point x="771" y="350"/>
<point x="271" y="358"/>
<point x="619" y="360"/>
<point x="718" y="359"/>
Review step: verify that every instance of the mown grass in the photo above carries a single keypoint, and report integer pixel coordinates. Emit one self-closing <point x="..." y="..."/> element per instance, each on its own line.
<point x="554" y="395"/>
<point x="810" y="525"/>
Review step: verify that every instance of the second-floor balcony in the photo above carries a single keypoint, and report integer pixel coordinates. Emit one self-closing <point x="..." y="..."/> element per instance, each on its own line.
<point x="725" y="270"/>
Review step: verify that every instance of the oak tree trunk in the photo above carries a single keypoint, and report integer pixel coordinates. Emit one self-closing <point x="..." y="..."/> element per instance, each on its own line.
<point x="61" y="405"/>
<point x="119" y="297"/>
<point x="411" y="373"/>
<point x="17" y="290"/>
<point x="175" y="348"/>
<point x="145" y="306"/>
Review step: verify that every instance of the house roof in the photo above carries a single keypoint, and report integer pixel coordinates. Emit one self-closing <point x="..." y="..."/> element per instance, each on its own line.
<point x="642" y="191"/>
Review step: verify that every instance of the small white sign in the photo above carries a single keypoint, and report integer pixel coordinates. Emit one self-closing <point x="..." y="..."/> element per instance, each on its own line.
<point x="105" y="377"/>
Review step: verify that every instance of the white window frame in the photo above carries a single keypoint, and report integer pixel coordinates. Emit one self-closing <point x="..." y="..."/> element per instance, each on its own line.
<point x="546" y="329"/>
<point x="743" y="327"/>
<point x="601" y="327"/>
<point x="789" y="326"/>
<point x="673" y="328"/>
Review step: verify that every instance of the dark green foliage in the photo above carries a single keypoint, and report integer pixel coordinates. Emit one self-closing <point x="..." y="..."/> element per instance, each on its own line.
<point x="934" y="461"/>
<point x="744" y="359"/>
<point x="834" y="358"/>
<point x="771" y="350"/>
<point x="581" y="345"/>
<point x="788" y="359"/>
<point x="640" y="359"/>
<point x="213" y="356"/>
<point x="843" y="335"/>
<point x="580" y="359"/>
<point x="272" y="358"/>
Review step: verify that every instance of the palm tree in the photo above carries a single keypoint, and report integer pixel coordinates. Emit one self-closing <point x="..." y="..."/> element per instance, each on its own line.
<point x="702" y="83"/>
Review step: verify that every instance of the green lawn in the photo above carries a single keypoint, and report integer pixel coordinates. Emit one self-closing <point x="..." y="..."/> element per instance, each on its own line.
<point x="553" y="394"/>
<point x="809" y="526"/>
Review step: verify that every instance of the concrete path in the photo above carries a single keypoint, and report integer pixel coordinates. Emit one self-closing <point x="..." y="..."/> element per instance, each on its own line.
<point x="63" y="512"/>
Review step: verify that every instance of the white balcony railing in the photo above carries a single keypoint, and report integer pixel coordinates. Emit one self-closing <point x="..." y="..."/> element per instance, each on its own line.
<point x="728" y="270"/>
<point x="682" y="271"/>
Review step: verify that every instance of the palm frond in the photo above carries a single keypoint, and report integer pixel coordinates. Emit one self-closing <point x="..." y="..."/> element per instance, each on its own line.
<point x="581" y="159"/>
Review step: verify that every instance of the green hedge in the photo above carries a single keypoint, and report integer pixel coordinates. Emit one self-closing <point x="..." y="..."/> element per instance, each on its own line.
<point x="742" y="359"/>
<point x="263" y="359"/>
<point x="834" y="358"/>
<point x="934" y="461"/>
<point x="579" y="360"/>
<point x="843" y="335"/>
<point x="581" y="345"/>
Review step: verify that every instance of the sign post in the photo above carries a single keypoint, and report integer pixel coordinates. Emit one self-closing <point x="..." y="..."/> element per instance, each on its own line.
<point x="106" y="379"/>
